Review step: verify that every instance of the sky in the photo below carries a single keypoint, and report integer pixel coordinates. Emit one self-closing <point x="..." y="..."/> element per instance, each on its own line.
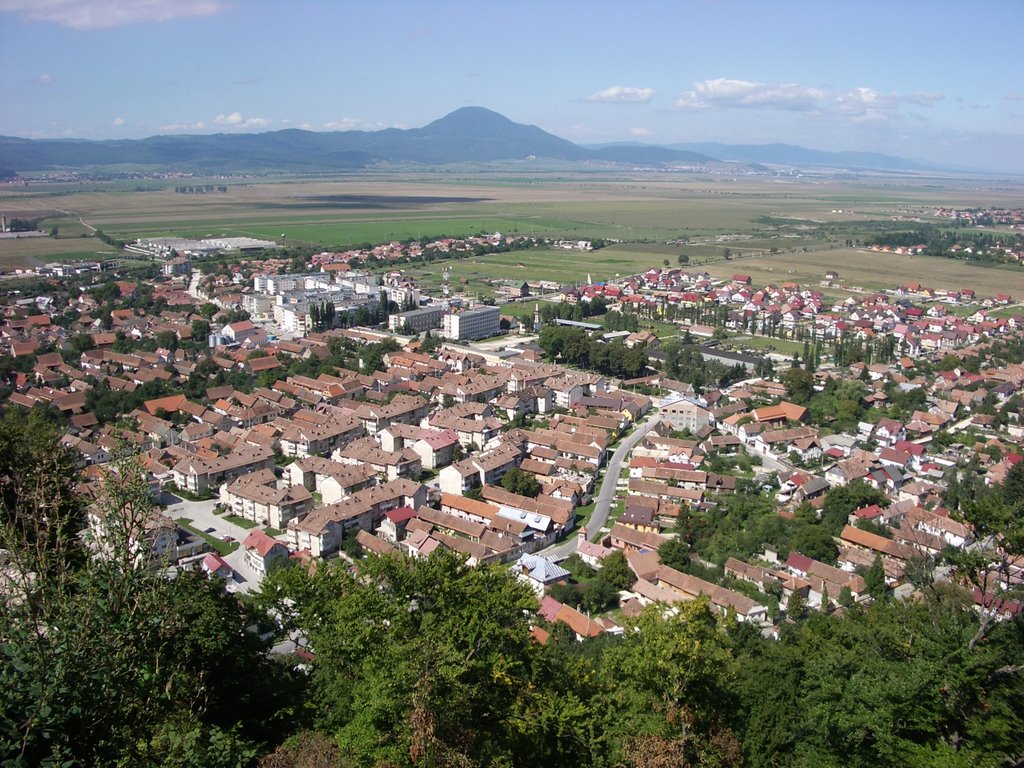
<point x="933" y="80"/>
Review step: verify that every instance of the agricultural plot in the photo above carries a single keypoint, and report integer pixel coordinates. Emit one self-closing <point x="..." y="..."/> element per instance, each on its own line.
<point x="873" y="271"/>
<point x="709" y="219"/>
<point x="33" y="252"/>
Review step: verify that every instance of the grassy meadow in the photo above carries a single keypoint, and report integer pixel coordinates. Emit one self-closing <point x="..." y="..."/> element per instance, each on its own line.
<point x="708" y="218"/>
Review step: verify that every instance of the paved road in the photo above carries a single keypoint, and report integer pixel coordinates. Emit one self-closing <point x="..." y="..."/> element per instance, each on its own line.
<point x="611" y="478"/>
<point x="603" y="506"/>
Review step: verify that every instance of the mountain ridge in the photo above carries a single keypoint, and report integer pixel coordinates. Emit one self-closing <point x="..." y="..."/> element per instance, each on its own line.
<point x="468" y="134"/>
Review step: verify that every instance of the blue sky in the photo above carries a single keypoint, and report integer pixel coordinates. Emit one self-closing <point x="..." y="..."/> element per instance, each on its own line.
<point x="938" y="80"/>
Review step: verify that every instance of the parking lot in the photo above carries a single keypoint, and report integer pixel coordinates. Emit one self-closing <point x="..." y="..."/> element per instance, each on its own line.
<point x="203" y="518"/>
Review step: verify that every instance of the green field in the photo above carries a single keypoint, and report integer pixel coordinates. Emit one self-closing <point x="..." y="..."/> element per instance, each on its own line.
<point x="709" y="218"/>
<point x="36" y="251"/>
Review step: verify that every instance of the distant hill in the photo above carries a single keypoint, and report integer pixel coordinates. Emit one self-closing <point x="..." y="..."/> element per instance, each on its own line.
<point x="467" y="135"/>
<point x="470" y="134"/>
<point x="789" y="154"/>
<point x="755" y="156"/>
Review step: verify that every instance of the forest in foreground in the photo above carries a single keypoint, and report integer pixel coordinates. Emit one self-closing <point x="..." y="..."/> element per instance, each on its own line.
<point x="109" y="662"/>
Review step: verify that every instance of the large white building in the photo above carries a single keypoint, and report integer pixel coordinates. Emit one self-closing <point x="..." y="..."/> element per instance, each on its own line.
<point x="419" y="319"/>
<point x="477" y="323"/>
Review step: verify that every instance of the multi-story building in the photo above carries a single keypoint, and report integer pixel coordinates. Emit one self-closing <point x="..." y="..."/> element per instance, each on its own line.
<point x="477" y="323"/>
<point x="419" y="319"/>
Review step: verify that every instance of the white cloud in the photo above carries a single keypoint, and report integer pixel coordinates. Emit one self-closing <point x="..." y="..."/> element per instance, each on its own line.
<point x="118" y="121"/>
<point x="866" y="105"/>
<point x="859" y="105"/>
<point x="621" y="94"/>
<point x="640" y="132"/>
<point x="722" y="93"/>
<point x="100" y="14"/>
<point x="44" y="79"/>
<point x="235" y="120"/>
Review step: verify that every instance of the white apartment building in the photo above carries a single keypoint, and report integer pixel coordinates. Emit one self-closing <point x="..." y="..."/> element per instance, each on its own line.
<point x="477" y="323"/>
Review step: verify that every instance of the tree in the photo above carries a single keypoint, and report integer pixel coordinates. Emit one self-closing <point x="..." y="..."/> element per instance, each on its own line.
<point x="1013" y="486"/>
<point x="173" y="675"/>
<point x="599" y="595"/>
<point x="874" y="579"/>
<point x="665" y="699"/>
<point x="520" y="482"/>
<point x="167" y="340"/>
<point x="82" y="342"/>
<point x="351" y="546"/>
<point x="417" y="661"/>
<point x="796" y="606"/>
<point x="616" y="571"/>
<point x="799" y="385"/>
<point x="200" y="330"/>
<point x="842" y="500"/>
<point x="42" y="513"/>
<point x="675" y="554"/>
<point x="999" y="531"/>
<point x="845" y="597"/>
<point x="815" y="541"/>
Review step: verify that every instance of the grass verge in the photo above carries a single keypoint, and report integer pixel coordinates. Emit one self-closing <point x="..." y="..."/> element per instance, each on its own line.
<point x="221" y="547"/>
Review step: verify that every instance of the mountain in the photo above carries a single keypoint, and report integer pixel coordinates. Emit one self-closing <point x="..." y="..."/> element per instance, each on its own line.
<point x="789" y="154"/>
<point x="467" y="135"/>
<point x="470" y="134"/>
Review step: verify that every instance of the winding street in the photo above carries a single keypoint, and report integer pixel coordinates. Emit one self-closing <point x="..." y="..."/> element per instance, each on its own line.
<point x="606" y="494"/>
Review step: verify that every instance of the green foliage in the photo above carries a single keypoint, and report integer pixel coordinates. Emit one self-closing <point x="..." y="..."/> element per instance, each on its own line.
<point x="616" y="571"/>
<point x="842" y="500"/>
<point x="134" y="668"/>
<point x="839" y="405"/>
<point x="685" y="363"/>
<point x="1013" y="486"/>
<point x="667" y="697"/>
<point x="574" y="347"/>
<point x="351" y="547"/>
<point x="41" y="511"/>
<point x="892" y="685"/>
<point x="675" y="554"/>
<point x="424" y="660"/>
<point x="521" y="482"/>
<point x="845" y="597"/>
<point x="598" y="595"/>
<point x="796" y="606"/>
<point x="799" y="385"/>
<point x="815" y="541"/>
<point x="874" y="579"/>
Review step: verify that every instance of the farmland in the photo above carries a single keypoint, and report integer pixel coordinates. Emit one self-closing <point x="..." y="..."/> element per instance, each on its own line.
<point x="724" y="224"/>
<point x="869" y="270"/>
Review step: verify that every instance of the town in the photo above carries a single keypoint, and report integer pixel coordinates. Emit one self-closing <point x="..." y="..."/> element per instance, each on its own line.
<point x="287" y="411"/>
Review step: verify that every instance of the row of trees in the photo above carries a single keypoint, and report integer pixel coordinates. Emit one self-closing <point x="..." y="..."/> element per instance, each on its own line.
<point x="686" y="363"/>
<point x="574" y="346"/>
<point x="322" y="315"/>
<point x="976" y="246"/>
